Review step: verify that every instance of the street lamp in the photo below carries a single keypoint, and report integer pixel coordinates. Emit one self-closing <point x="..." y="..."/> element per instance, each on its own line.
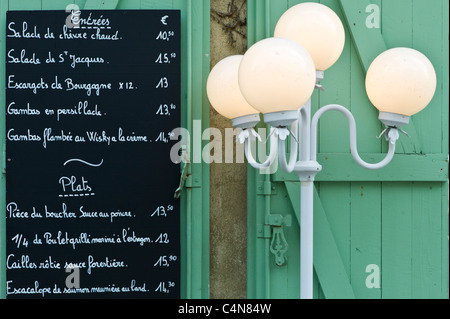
<point x="277" y="76"/>
<point x="225" y="95"/>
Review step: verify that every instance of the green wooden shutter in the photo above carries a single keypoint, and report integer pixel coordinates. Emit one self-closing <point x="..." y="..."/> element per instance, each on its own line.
<point x="195" y="107"/>
<point x="395" y="218"/>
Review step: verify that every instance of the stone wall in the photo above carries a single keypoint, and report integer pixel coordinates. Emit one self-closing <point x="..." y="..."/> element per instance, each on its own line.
<point x="228" y="182"/>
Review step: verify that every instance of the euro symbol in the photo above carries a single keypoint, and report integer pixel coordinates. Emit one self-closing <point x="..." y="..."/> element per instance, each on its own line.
<point x="163" y="20"/>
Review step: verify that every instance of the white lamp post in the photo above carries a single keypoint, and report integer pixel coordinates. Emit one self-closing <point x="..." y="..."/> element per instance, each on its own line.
<point x="276" y="76"/>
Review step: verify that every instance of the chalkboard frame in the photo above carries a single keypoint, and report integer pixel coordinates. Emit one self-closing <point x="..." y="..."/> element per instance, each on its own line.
<point x="12" y="157"/>
<point x="195" y="18"/>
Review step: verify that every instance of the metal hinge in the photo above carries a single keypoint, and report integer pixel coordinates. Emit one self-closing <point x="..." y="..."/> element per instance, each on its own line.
<point x="193" y="181"/>
<point x="186" y="180"/>
<point x="274" y="229"/>
<point x="265" y="188"/>
<point x="184" y="172"/>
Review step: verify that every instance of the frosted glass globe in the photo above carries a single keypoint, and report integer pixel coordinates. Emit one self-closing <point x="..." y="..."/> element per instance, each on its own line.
<point x="317" y="28"/>
<point x="277" y="75"/>
<point x="401" y="81"/>
<point x="223" y="89"/>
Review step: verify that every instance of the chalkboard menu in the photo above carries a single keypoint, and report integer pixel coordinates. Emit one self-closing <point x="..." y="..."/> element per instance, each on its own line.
<point x="91" y="100"/>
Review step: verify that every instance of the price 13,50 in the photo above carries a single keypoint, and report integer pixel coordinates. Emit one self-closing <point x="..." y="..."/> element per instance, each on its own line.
<point x="162" y="211"/>
<point x="164" y="109"/>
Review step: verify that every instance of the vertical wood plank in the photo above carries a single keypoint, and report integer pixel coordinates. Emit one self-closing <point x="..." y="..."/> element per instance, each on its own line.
<point x="369" y="42"/>
<point x="251" y="234"/>
<point x="445" y="77"/>
<point x="334" y="137"/>
<point x="333" y="127"/>
<point x="186" y="267"/>
<point x="200" y="15"/>
<point x="365" y="114"/>
<point x="396" y="245"/>
<point x="444" y="239"/>
<point x="445" y="147"/>
<point x="397" y="21"/>
<point x="335" y="197"/>
<point x="251" y="19"/>
<point x="365" y="197"/>
<point x="280" y="279"/>
<point x="277" y="8"/>
<point x="427" y="35"/>
<point x="365" y="236"/>
<point x="426" y="241"/>
<point x="292" y="277"/>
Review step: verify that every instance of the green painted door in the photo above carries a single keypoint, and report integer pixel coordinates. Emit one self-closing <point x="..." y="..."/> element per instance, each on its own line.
<point x="195" y="107"/>
<point x="378" y="234"/>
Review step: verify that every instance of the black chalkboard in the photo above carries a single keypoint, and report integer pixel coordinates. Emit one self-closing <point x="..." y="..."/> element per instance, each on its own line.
<point x="91" y="99"/>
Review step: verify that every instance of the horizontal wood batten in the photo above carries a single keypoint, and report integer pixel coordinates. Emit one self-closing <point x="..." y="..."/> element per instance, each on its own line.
<point x="404" y="167"/>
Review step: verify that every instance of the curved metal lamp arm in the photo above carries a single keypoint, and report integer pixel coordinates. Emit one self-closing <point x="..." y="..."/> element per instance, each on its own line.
<point x="272" y="155"/>
<point x="288" y="167"/>
<point x="391" y="136"/>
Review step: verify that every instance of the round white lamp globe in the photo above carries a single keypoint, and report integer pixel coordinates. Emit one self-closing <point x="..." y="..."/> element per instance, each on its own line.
<point x="400" y="82"/>
<point x="277" y="75"/>
<point x="317" y="28"/>
<point x="225" y="95"/>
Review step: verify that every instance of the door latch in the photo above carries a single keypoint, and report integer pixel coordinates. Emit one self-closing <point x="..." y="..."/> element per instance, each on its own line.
<point x="274" y="229"/>
<point x="184" y="172"/>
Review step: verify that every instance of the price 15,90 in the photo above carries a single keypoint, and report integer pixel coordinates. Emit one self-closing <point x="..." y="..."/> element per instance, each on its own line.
<point x="164" y="261"/>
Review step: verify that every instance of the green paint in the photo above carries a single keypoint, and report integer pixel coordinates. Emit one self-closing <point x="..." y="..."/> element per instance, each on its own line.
<point x="365" y="214"/>
<point x="426" y="37"/>
<point x="100" y="4"/>
<point x="328" y="263"/>
<point x="369" y="43"/>
<point x="404" y="167"/>
<point x="333" y="130"/>
<point x="395" y="218"/>
<point x="55" y="4"/>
